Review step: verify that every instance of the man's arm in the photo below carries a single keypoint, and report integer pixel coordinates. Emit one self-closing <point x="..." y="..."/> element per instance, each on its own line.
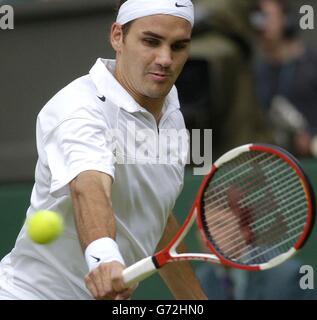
<point x="91" y="196"/>
<point x="179" y="276"/>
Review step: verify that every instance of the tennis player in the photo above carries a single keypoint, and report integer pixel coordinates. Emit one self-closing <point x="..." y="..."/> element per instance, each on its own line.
<point x="116" y="213"/>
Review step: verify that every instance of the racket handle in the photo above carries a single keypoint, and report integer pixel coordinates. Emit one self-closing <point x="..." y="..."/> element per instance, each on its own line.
<point x="138" y="271"/>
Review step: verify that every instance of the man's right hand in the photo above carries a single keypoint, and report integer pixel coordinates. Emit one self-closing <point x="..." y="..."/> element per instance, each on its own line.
<point x="105" y="282"/>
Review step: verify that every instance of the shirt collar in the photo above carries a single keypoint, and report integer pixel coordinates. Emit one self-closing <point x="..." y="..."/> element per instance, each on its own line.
<point x="102" y="76"/>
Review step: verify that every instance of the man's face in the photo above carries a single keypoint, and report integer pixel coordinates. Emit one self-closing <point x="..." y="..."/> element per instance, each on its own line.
<point x="152" y="55"/>
<point x="274" y="20"/>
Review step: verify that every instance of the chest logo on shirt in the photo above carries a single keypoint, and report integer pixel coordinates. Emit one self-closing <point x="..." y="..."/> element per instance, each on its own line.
<point x="103" y="98"/>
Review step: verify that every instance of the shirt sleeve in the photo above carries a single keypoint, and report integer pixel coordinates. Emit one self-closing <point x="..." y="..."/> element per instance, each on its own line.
<point x="77" y="145"/>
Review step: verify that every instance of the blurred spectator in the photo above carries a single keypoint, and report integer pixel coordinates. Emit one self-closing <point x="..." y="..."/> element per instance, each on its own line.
<point x="280" y="283"/>
<point x="286" y="78"/>
<point x="216" y="87"/>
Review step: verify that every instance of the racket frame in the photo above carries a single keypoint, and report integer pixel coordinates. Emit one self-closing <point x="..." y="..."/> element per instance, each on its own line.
<point x="149" y="265"/>
<point x="293" y="163"/>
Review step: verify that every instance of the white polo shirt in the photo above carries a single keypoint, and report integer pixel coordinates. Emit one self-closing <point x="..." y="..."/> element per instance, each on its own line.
<point x="72" y="136"/>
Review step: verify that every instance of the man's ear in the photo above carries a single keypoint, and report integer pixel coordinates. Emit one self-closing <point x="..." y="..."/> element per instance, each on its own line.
<point x="116" y="37"/>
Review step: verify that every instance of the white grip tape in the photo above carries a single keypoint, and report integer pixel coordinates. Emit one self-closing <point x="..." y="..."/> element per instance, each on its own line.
<point x="101" y="251"/>
<point x="138" y="271"/>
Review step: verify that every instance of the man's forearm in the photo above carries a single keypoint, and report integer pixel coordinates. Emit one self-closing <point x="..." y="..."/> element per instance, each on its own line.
<point x="92" y="207"/>
<point x="95" y="224"/>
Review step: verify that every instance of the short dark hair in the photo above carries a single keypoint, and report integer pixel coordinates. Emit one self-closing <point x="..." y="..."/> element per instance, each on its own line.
<point x="126" y="27"/>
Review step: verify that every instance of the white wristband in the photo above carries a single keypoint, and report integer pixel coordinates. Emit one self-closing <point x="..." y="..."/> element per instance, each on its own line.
<point x="102" y="250"/>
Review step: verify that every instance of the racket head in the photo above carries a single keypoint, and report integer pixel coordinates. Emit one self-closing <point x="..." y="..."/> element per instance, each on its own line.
<point x="256" y="208"/>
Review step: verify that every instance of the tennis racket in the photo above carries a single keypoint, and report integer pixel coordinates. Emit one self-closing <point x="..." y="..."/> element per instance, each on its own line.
<point x="255" y="210"/>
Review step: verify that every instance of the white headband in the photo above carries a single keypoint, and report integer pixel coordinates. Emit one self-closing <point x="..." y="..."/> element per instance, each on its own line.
<point x="134" y="9"/>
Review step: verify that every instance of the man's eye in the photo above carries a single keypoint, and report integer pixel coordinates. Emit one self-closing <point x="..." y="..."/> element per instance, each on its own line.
<point x="151" y="41"/>
<point x="179" y="46"/>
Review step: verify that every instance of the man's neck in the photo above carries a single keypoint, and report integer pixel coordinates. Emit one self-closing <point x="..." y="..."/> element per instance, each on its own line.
<point x="152" y="105"/>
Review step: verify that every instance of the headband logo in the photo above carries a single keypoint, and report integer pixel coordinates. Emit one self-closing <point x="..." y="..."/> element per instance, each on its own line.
<point x="179" y="5"/>
<point x="135" y="9"/>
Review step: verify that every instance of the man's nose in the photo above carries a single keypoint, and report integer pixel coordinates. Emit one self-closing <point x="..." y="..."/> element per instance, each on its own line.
<point x="164" y="57"/>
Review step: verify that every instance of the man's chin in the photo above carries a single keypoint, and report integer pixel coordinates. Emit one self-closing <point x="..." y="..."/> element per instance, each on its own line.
<point x="159" y="93"/>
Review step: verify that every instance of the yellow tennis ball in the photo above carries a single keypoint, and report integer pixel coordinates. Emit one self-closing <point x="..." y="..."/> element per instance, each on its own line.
<point x="44" y="226"/>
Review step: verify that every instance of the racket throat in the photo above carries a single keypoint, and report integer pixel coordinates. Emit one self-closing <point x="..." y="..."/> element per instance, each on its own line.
<point x="171" y="251"/>
<point x="161" y="258"/>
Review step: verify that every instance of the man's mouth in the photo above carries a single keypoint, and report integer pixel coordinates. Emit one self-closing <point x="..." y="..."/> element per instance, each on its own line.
<point x="159" y="76"/>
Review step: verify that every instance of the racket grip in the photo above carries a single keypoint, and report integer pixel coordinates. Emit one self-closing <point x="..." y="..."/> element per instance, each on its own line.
<point x="138" y="271"/>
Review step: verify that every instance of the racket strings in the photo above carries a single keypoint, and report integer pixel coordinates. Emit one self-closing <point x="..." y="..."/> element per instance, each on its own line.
<point x="281" y="196"/>
<point x="232" y="232"/>
<point x="255" y="208"/>
<point x="242" y="179"/>
<point x="221" y="187"/>
<point x="233" y="170"/>
<point x="271" y="234"/>
<point x="268" y="222"/>
<point x="254" y="257"/>
<point x="222" y="204"/>
<point x="248" y="192"/>
<point x="234" y="246"/>
<point x="266" y="206"/>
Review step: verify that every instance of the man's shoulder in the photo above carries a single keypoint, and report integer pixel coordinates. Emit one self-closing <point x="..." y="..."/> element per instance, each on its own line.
<point x="79" y="91"/>
<point x="79" y="99"/>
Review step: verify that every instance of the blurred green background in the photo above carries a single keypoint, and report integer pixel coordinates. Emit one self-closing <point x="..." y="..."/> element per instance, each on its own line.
<point x="15" y="197"/>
